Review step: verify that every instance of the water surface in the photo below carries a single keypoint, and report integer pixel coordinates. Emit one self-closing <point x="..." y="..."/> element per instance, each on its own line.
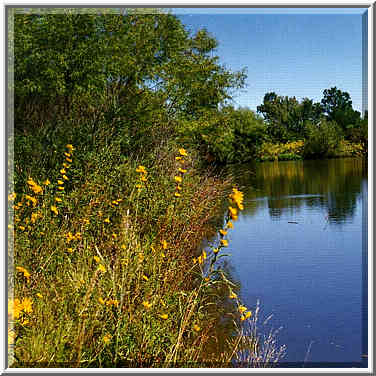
<point x="299" y="247"/>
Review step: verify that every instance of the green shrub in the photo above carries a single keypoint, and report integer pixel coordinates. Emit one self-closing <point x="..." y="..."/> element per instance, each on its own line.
<point x="322" y="139"/>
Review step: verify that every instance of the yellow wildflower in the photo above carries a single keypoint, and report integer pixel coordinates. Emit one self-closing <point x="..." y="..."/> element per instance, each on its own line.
<point x="164" y="316"/>
<point x="54" y="209"/>
<point x="68" y="160"/>
<point x="138" y="186"/>
<point x="107" y="220"/>
<point x="178" y="158"/>
<point x="182" y="170"/>
<point x="60" y="182"/>
<point x="223" y="232"/>
<point x="237" y="197"/>
<point x="39" y="295"/>
<point x="101" y="268"/>
<point x="97" y="259"/>
<point x="27" y="304"/>
<point x="34" y="186"/>
<point x="248" y="315"/>
<point x="164" y="244"/>
<point x="67" y="154"/>
<point x="141" y="169"/>
<point x="178" y="179"/>
<point x="62" y="171"/>
<point x="66" y="165"/>
<point x="107" y="339"/>
<point x="224" y="242"/>
<point x="230" y="225"/>
<point x="233" y="295"/>
<point x="215" y="250"/>
<point x="233" y="213"/>
<point x="111" y="302"/>
<point x="177" y="194"/>
<point x="12" y="196"/>
<point x="60" y="188"/>
<point x="58" y="199"/>
<point x="204" y="255"/>
<point x="146" y="304"/>
<point x="242" y="309"/>
<point x="34" y="217"/>
<point x="14" y="308"/>
<point x="69" y="237"/>
<point x="196" y="328"/>
<point x="178" y="187"/>
<point x="143" y="178"/>
<point x="22" y="228"/>
<point x="70" y="147"/>
<point x="65" y="177"/>
<point x="183" y="152"/>
<point x="26" y="274"/>
<point x="70" y="250"/>
<point x="114" y="235"/>
<point x="101" y="301"/>
<point x="32" y="199"/>
<point x="146" y="278"/>
<point x="200" y="260"/>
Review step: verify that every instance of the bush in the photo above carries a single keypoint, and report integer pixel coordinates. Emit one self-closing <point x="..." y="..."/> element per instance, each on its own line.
<point x="225" y="136"/>
<point x="322" y="140"/>
<point x="282" y="152"/>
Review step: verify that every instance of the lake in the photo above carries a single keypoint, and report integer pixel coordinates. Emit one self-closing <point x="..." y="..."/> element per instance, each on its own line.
<point x="300" y="247"/>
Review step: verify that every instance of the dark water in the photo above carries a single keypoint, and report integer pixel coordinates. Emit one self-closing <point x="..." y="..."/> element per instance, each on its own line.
<point x="299" y="247"/>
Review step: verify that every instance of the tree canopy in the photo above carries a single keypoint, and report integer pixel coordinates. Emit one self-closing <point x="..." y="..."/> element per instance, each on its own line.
<point x="132" y="61"/>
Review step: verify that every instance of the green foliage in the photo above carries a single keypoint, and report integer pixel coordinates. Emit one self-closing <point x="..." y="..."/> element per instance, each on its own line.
<point x="144" y="68"/>
<point x="337" y="105"/>
<point x="286" y="117"/>
<point x="269" y="151"/>
<point x="322" y="140"/>
<point x="226" y="136"/>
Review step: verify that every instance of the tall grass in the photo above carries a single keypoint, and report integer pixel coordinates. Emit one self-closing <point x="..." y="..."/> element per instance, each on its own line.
<point x="108" y="270"/>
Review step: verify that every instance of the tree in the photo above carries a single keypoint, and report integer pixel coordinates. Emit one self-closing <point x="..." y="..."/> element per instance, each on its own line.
<point x="145" y="68"/>
<point x="286" y="117"/>
<point x="337" y="106"/>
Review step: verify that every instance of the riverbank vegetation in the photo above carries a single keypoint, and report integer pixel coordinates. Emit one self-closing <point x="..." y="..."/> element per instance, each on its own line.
<point x="110" y="199"/>
<point x="287" y="130"/>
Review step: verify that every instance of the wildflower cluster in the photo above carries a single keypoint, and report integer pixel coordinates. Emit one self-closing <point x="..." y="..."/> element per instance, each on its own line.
<point x="61" y="180"/>
<point x="270" y="151"/>
<point x="17" y="308"/>
<point x="236" y="200"/>
<point x="37" y="189"/>
<point x="101" y="267"/>
<point x="143" y="173"/>
<point x="181" y="171"/>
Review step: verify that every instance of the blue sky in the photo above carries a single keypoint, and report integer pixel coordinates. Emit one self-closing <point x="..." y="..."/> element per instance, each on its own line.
<point x="294" y="52"/>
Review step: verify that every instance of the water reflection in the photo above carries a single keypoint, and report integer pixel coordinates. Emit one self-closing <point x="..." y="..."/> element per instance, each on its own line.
<point x="334" y="185"/>
<point x="299" y="248"/>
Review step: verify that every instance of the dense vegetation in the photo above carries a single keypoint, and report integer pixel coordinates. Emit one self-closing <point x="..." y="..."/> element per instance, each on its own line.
<point x="116" y="117"/>
<point x="288" y="129"/>
<point x="110" y="201"/>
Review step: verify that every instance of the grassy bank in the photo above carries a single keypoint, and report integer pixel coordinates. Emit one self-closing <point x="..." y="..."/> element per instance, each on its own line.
<point x="107" y="266"/>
